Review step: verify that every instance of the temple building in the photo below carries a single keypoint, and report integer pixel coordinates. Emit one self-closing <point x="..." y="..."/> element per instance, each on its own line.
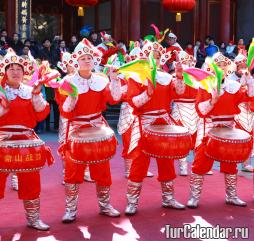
<point x="128" y="19"/>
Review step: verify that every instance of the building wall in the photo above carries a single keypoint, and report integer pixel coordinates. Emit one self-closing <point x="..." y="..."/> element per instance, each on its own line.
<point x="245" y="19"/>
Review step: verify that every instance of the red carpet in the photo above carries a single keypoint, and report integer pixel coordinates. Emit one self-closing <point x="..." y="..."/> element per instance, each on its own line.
<point x="147" y="225"/>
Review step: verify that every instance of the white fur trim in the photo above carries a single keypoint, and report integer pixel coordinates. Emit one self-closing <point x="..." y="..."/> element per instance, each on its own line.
<point x="24" y="92"/>
<point x="163" y="78"/>
<point x="98" y="82"/>
<point x="231" y="86"/>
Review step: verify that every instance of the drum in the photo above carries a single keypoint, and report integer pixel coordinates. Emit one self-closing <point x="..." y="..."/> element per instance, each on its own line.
<point x="21" y="150"/>
<point x="91" y="145"/>
<point x="166" y="141"/>
<point x="228" y="145"/>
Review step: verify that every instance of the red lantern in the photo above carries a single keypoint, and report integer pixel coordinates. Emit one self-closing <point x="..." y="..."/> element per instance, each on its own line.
<point x="81" y="4"/>
<point x="178" y="6"/>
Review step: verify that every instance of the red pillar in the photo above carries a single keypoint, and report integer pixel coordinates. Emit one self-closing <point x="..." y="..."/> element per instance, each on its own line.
<point x="225" y="20"/>
<point x="117" y="19"/>
<point x="134" y="19"/>
<point x="11" y="17"/>
<point x="203" y="19"/>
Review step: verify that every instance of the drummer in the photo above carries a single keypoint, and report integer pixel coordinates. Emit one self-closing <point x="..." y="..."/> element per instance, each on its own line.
<point x="151" y="106"/>
<point x="183" y="109"/>
<point x="67" y="66"/>
<point x="94" y="91"/>
<point x="126" y="116"/>
<point x="24" y="106"/>
<point x="221" y="108"/>
<point x="245" y="120"/>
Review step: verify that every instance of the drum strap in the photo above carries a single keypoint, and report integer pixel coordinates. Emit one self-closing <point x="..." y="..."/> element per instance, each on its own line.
<point x="173" y="120"/>
<point x="204" y="127"/>
<point x="81" y="119"/>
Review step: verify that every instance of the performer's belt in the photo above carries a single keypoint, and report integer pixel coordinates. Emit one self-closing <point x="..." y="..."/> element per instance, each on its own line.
<point x="185" y="101"/>
<point x="155" y="113"/>
<point x="224" y="119"/>
<point x="87" y="119"/>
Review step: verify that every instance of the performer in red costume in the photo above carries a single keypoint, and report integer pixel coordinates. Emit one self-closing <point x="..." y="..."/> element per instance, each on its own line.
<point x="127" y="117"/>
<point x="151" y="106"/>
<point x="183" y="110"/>
<point x="171" y="40"/>
<point x="221" y="109"/>
<point x="22" y="109"/>
<point x="94" y="91"/>
<point x="107" y="47"/>
<point x="67" y="65"/>
<point x="245" y="120"/>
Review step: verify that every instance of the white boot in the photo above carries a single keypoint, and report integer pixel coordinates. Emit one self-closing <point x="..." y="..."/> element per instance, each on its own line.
<point x="32" y="208"/>
<point x="231" y="195"/>
<point x="133" y="193"/>
<point x="246" y="166"/>
<point x="14" y="182"/>
<point x="103" y="200"/>
<point x="87" y="176"/>
<point x="168" y="200"/>
<point x="71" y="202"/>
<point x="183" y="165"/>
<point x="196" y="184"/>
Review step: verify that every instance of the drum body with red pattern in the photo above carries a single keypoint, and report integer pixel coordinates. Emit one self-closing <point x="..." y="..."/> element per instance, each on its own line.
<point x="229" y="145"/>
<point x="92" y="144"/>
<point x="21" y="150"/>
<point x="166" y="141"/>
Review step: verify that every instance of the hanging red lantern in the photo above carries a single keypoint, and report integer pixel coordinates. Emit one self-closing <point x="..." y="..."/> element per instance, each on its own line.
<point x="81" y="4"/>
<point x="178" y="6"/>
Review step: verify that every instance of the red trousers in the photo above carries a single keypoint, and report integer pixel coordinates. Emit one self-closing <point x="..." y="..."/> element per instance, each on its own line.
<point x="74" y="173"/>
<point x="29" y="185"/>
<point x="126" y="139"/>
<point x="203" y="164"/>
<point x="140" y="165"/>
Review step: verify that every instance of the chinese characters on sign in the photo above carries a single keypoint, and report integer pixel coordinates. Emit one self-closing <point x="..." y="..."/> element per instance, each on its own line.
<point x="24" y="18"/>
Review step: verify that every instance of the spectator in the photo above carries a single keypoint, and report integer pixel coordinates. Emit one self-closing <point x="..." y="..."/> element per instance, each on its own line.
<point x="189" y="49"/>
<point x="2" y="48"/>
<point x="25" y="51"/>
<point x="56" y="42"/>
<point x="223" y="48"/>
<point x="5" y="35"/>
<point x="73" y="44"/>
<point x="171" y="40"/>
<point x="49" y="54"/>
<point x="62" y="46"/>
<point x="199" y="53"/>
<point x="248" y="45"/>
<point x="62" y="49"/>
<point x="16" y="44"/>
<point x="207" y="41"/>
<point x="94" y="38"/>
<point x="240" y="46"/>
<point x="212" y="48"/>
<point x="33" y="48"/>
<point x="230" y="50"/>
<point x="4" y="43"/>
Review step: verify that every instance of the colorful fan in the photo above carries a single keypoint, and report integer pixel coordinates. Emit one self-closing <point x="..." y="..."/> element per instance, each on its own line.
<point x="196" y="78"/>
<point x="68" y="88"/>
<point x="141" y="68"/>
<point x="250" y="59"/>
